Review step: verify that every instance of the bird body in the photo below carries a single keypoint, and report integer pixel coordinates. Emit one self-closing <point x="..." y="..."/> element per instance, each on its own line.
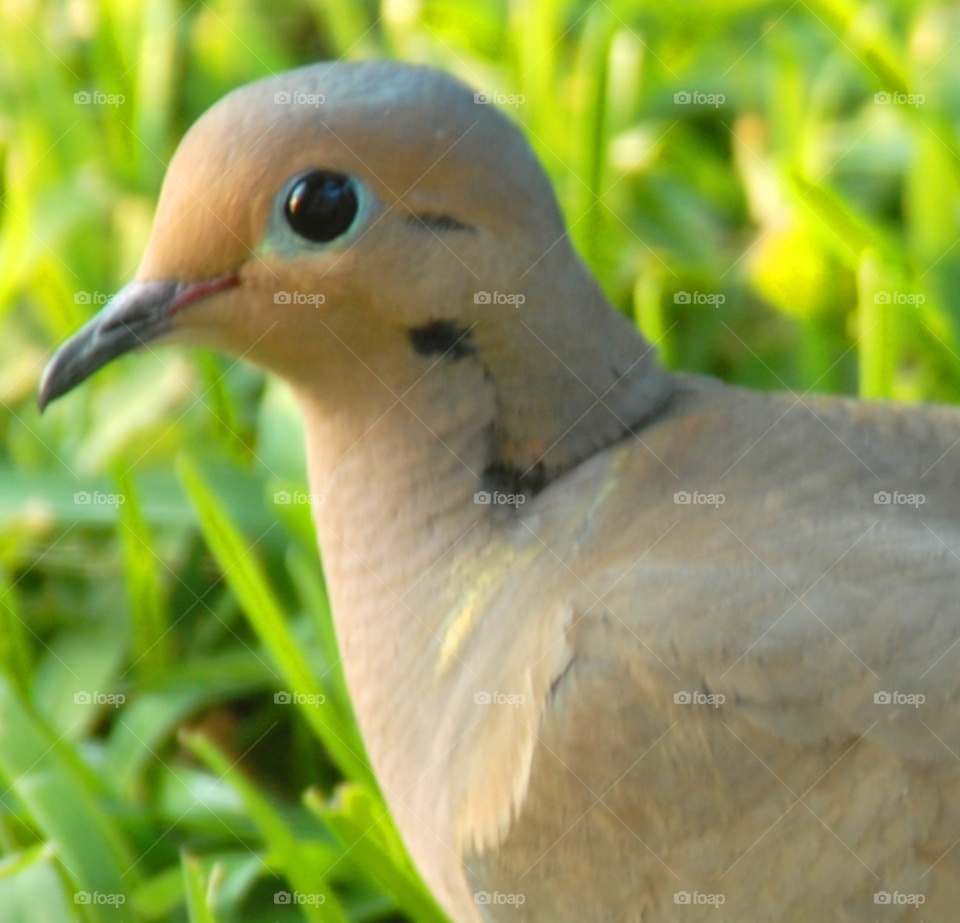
<point x="588" y="789"/>
<point x="618" y="640"/>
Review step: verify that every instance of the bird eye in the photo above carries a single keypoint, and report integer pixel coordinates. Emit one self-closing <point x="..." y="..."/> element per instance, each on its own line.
<point x="321" y="206"/>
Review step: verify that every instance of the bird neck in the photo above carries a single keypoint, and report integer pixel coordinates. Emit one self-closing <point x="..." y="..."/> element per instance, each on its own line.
<point x="401" y="442"/>
<point x="397" y="460"/>
<point x="572" y="374"/>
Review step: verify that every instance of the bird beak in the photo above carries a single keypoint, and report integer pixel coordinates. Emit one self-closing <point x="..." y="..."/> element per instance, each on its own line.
<point x="140" y="312"/>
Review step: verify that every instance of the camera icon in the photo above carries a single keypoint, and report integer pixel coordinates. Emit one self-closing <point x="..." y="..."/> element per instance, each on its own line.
<point x="82" y="698"/>
<point x="281" y="897"/>
<point x="81" y="298"/>
<point x="681" y="496"/>
<point x="881" y="897"/>
<point x="882" y="298"/>
<point x="282" y="698"/>
<point x="682" y="698"/>
<point x="882" y="497"/>
<point x="81" y="496"/>
<point x="282" y="98"/>
<point x="683" y="98"/>
<point x="481" y="897"/>
<point x="482" y="99"/>
<point x="482" y="497"/>
<point x="282" y="298"/>
<point x="481" y="698"/>
<point x="881" y="698"/>
<point x="482" y="298"/>
<point x="81" y="897"/>
<point x="883" y="97"/>
<point x="281" y="496"/>
<point x="681" y="298"/>
<point x="681" y="897"/>
<point x="83" y="98"/>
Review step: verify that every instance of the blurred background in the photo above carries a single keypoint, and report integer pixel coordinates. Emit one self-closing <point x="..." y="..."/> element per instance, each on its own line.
<point x="770" y="189"/>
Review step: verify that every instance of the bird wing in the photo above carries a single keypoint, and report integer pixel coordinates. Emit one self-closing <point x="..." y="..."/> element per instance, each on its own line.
<point x="715" y="730"/>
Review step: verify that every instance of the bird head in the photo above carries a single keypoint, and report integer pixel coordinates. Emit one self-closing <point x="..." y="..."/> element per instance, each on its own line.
<point x="379" y="189"/>
<point x="341" y="208"/>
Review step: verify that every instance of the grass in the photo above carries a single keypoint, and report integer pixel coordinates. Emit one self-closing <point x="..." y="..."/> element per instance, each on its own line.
<point x="198" y="788"/>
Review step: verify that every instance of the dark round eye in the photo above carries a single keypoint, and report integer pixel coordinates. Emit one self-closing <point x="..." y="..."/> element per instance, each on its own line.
<point x="321" y="206"/>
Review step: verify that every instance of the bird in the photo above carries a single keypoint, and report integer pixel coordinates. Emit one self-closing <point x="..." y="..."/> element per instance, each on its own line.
<point x="624" y="643"/>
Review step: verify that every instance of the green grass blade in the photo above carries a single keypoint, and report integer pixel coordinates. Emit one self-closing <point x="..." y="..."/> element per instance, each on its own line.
<point x="14" y="651"/>
<point x="31" y="891"/>
<point x="246" y="578"/>
<point x="198" y="905"/>
<point x="649" y="314"/>
<point x="64" y="808"/>
<point x="302" y="874"/>
<point x="875" y="347"/>
<point x="158" y="897"/>
<point x="347" y="23"/>
<point x="154" y="714"/>
<point x="153" y="75"/>
<point x="536" y="31"/>
<point x="865" y="38"/>
<point x="151" y="640"/>
<point x="848" y="234"/>
<point x="587" y="145"/>
<point x="363" y="826"/>
<point x="313" y="591"/>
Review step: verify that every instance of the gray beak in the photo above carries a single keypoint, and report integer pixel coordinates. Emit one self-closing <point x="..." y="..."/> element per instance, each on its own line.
<point x="141" y="312"/>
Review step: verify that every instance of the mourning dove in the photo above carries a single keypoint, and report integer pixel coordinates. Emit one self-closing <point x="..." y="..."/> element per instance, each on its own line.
<point x="623" y="644"/>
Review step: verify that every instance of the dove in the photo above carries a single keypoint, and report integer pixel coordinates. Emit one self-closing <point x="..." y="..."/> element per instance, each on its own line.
<point x="623" y="644"/>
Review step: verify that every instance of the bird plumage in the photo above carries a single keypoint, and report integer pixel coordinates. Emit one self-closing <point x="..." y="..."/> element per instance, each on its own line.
<point x="520" y="668"/>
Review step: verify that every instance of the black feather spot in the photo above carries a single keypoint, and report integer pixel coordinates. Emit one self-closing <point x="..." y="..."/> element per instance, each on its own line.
<point x="431" y="221"/>
<point x="512" y="480"/>
<point x="443" y="337"/>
